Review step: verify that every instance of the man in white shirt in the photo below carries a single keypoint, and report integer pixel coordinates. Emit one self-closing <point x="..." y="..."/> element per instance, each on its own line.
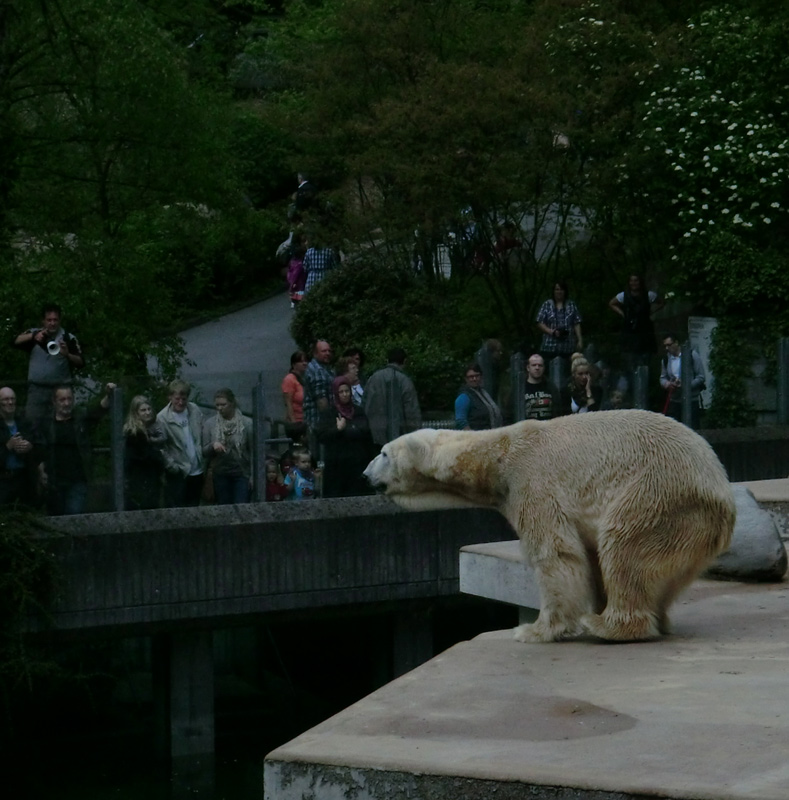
<point x="671" y="380"/>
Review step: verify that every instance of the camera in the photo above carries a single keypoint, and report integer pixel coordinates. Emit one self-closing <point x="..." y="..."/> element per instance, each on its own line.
<point x="562" y="333"/>
<point x="53" y="347"/>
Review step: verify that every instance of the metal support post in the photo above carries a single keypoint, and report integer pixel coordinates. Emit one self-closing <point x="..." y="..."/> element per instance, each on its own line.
<point x="117" y="449"/>
<point x="641" y="387"/>
<point x="783" y="382"/>
<point x="261" y="432"/>
<point x="518" y="384"/>
<point x="484" y="359"/>
<point x="686" y="377"/>
<point x="557" y="373"/>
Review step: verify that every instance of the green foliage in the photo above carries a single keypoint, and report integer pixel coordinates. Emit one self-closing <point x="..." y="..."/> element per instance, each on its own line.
<point x="707" y="168"/>
<point x="364" y="298"/>
<point x="27" y="578"/>
<point x="124" y="177"/>
<point x="715" y="132"/>
<point x="442" y="117"/>
<point x="733" y="350"/>
<point x="109" y="120"/>
<point x="375" y="306"/>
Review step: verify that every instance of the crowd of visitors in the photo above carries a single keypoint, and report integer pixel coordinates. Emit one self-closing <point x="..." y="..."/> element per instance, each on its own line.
<point x="335" y="417"/>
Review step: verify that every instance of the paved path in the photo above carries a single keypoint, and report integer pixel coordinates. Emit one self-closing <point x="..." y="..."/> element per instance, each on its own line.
<point x="235" y="349"/>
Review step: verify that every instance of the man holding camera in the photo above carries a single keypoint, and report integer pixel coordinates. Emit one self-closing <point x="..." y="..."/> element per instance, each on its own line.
<point x="560" y="322"/>
<point x="54" y="354"/>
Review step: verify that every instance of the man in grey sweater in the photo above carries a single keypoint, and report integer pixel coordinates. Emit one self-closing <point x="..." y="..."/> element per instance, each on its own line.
<point x="54" y="355"/>
<point x="390" y="401"/>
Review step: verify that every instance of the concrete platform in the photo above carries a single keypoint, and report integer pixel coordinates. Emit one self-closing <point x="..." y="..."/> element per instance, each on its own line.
<point x="496" y="571"/>
<point x="772" y="491"/>
<point x="701" y="714"/>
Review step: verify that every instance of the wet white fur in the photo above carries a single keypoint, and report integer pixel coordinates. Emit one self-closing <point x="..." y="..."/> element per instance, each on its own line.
<point x="617" y="511"/>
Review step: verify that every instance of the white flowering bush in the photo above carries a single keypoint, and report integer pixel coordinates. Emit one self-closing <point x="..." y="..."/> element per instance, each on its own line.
<point x="713" y="145"/>
<point x="709" y="160"/>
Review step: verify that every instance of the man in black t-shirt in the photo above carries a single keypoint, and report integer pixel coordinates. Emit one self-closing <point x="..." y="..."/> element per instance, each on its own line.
<point x="542" y="399"/>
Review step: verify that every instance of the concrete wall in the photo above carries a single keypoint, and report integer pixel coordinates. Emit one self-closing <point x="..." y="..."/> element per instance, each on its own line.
<point x="146" y="571"/>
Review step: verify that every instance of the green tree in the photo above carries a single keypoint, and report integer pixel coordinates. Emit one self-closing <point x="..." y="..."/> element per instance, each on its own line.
<point x="122" y="197"/>
<point x="709" y="166"/>
<point x="450" y="118"/>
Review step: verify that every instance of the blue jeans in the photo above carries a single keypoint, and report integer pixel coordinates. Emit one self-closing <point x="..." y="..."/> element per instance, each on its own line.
<point x="67" y="499"/>
<point x="231" y="489"/>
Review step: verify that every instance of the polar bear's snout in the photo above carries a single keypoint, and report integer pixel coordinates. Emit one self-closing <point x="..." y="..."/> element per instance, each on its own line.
<point x="375" y="471"/>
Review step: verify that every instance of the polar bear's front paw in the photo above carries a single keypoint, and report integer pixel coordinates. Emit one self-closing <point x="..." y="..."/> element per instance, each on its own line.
<point x="622" y="627"/>
<point x="541" y="633"/>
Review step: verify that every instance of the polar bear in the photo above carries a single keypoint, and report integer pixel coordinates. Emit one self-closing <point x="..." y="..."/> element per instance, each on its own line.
<point x="617" y="511"/>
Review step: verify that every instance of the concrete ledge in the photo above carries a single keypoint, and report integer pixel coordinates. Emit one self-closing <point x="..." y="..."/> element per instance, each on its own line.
<point x="209" y="517"/>
<point x="774" y="491"/>
<point x="701" y="714"/>
<point x="496" y="570"/>
<point x="147" y="571"/>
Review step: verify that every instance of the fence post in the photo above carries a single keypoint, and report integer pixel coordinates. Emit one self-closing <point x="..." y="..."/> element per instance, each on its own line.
<point x="261" y="430"/>
<point x="641" y="387"/>
<point x="686" y="377"/>
<point x="783" y="381"/>
<point x="485" y="360"/>
<point x="557" y="372"/>
<point x="117" y="449"/>
<point x="518" y="384"/>
<point x="392" y="410"/>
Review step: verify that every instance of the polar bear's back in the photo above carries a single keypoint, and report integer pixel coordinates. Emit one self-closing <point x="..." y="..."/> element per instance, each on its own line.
<point x="619" y="476"/>
<point x="617" y="447"/>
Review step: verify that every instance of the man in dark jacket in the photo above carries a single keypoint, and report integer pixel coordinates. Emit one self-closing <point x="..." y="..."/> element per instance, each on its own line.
<point x="64" y="438"/>
<point x="17" y="455"/>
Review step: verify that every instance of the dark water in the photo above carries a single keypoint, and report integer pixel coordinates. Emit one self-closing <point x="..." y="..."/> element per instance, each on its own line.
<point x="85" y="730"/>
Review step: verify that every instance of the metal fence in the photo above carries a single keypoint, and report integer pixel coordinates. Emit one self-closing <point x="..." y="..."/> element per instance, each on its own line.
<point x="259" y="400"/>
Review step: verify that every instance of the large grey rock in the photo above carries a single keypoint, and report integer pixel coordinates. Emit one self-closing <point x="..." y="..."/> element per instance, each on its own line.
<point x="757" y="552"/>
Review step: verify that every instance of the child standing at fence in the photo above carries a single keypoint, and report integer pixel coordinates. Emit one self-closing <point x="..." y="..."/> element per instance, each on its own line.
<point x="300" y="480"/>
<point x="275" y="488"/>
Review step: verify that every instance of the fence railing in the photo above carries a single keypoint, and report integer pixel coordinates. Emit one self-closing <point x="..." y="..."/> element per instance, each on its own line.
<point x="259" y="398"/>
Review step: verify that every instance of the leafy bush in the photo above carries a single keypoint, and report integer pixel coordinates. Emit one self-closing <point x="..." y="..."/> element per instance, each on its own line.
<point x="375" y="306"/>
<point x="27" y="579"/>
<point x="363" y="299"/>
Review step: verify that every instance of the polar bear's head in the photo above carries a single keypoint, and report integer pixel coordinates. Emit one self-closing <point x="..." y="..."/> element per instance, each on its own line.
<point x="403" y="465"/>
<point x="428" y="469"/>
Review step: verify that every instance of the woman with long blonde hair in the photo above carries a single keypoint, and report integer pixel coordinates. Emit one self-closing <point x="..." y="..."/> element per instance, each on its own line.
<point x="144" y="462"/>
<point x="581" y="393"/>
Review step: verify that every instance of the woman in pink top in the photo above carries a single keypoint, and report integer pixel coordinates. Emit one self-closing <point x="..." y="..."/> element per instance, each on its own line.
<point x="293" y="395"/>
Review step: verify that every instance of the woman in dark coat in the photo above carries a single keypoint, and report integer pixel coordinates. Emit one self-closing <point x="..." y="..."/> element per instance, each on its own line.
<point x="346" y="444"/>
<point x="144" y="463"/>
